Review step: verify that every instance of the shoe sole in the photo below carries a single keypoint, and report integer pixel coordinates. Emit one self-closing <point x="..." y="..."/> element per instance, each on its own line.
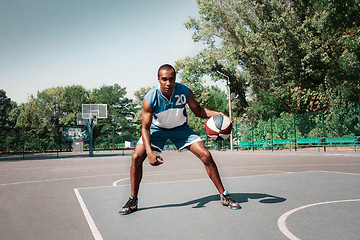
<point x="126" y="213"/>
<point x="233" y="208"/>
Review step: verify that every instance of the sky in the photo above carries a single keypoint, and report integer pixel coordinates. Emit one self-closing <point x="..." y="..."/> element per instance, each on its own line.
<point x="52" y="43"/>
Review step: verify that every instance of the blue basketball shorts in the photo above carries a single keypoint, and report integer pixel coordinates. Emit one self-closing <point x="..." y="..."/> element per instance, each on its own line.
<point x="182" y="137"/>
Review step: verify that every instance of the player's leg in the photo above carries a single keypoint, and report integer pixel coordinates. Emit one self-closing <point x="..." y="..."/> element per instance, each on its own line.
<point x="136" y="172"/>
<point x="199" y="149"/>
<point x="136" y="169"/>
<point x="185" y="137"/>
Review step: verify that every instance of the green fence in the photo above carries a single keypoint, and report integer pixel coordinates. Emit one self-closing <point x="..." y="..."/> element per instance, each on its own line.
<point x="336" y="127"/>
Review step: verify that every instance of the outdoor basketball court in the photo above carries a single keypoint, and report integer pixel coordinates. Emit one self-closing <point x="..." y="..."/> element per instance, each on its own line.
<point x="284" y="195"/>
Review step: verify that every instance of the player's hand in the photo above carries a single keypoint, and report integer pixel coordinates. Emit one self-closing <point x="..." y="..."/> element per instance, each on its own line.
<point x="220" y="113"/>
<point x="155" y="159"/>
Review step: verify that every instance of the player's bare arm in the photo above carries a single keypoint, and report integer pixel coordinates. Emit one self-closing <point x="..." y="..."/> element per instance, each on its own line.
<point x="154" y="158"/>
<point x="199" y="111"/>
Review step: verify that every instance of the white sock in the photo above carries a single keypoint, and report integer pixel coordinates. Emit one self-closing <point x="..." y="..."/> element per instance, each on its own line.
<point x="225" y="193"/>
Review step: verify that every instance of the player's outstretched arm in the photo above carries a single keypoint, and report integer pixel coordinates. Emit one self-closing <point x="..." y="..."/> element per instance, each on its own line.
<point x="154" y="158"/>
<point x="199" y="111"/>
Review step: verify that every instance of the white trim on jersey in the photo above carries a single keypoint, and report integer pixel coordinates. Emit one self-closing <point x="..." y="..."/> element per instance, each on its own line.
<point x="170" y="118"/>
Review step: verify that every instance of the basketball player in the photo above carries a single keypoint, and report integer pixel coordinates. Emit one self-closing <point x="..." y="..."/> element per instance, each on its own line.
<point x="164" y="117"/>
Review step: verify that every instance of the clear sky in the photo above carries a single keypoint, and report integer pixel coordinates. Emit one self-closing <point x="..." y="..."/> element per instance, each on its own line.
<point x="51" y="43"/>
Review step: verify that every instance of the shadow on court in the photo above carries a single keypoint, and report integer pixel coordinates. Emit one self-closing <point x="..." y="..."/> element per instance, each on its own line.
<point x="239" y="197"/>
<point x="327" y="206"/>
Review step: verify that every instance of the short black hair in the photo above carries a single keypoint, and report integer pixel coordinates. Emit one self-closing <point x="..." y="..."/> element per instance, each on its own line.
<point x="166" y="67"/>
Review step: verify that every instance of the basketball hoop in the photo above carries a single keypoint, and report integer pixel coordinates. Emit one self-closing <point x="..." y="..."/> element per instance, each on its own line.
<point x="89" y="110"/>
<point x="94" y="118"/>
<point x="92" y="112"/>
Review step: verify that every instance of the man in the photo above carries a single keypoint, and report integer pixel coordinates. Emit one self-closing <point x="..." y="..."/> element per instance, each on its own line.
<point x="164" y="117"/>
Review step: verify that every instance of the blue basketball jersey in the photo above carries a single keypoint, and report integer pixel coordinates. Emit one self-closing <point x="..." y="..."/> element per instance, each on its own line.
<point x="168" y="114"/>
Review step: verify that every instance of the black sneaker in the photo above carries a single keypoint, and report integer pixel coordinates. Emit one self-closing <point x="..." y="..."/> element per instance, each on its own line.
<point x="226" y="200"/>
<point x="130" y="206"/>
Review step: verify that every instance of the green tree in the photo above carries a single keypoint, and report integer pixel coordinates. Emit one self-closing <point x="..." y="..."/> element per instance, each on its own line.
<point x="33" y="125"/>
<point x="59" y="107"/>
<point x="51" y="101"/>
<point x="139" y="96"/>
<point x="71" y="103"/>
<point x="212" y="98"/>
<point x="8" y="115"/>
<point x="266" y="49"/>
<point x="120" y="114"/>
<point x="216" y="99"/>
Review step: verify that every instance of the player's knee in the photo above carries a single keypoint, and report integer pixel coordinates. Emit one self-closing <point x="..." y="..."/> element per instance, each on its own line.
<point x="138" y="158"/>
<point x="206" y="158"/>
<point x="207" y="154"/>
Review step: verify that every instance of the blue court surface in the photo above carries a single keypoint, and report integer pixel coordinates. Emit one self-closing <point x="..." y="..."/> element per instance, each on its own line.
<point x="296" y="205"/>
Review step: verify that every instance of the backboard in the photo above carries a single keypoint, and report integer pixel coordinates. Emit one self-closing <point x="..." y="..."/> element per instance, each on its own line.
<point x="91" y="113"/>
<point x="94" y="111"/>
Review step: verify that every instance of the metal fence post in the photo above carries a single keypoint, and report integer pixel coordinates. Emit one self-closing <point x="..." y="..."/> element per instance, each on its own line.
<point x="323" y="127"/>
<point x="237" y="136"/>
<point x="252" y="135"/>
<point x="23" y="136"/>
<point x="359" y="118"/>
<point x="271" y="132"/>
<point x="294" y="134"/>
<point x="122" y="139"/>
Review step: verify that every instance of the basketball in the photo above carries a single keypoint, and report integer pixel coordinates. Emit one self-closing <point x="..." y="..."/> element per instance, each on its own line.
<point x="218" y="127"/>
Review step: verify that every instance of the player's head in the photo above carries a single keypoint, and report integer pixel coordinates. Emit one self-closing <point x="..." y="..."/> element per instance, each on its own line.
<point x="166" y="67"/>
<point x="166" y="77"/>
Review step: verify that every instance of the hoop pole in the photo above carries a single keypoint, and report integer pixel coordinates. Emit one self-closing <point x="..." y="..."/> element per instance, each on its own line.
<point x="91" y="154"/>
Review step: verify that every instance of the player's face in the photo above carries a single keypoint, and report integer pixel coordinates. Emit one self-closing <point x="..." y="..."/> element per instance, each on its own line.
<point x="167" y="82"/>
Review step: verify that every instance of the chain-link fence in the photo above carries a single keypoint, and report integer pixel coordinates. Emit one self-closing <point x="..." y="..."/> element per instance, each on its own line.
<point x="335" y="127"/>
<point x="28" y="142"/>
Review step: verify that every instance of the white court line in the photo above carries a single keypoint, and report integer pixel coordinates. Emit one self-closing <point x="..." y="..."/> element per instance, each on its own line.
<point x="207" y="178"/>
<point x="89" y="219"/>
<point x="338" y="172"/>
<point x="306" y="165"/>
<point x="235" y="177"/>
<point x="94" y="176"/>
<point x="282" y="219"/>
<point x="160" y="174"/>
<point x="199" y="179"/>
<point x="120" y="180"/>
<point x="225" y="169"/>
<point x="57" y="179"/>
<point x="95" y="230"/>
<point x="65" y="167"/>
<point x="189" y="171"/>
